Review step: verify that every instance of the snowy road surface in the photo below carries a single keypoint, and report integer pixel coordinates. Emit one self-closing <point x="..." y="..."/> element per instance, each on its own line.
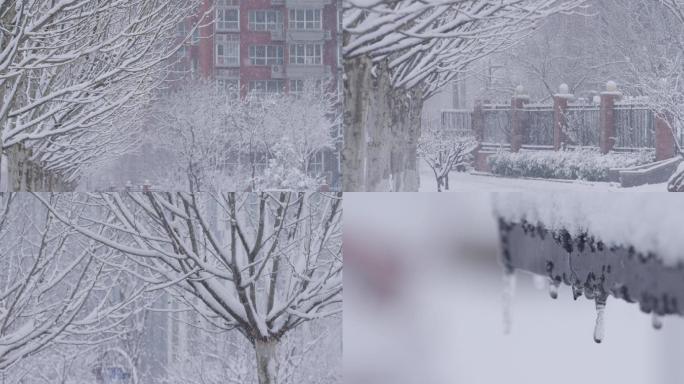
<point x="465" y="182"/>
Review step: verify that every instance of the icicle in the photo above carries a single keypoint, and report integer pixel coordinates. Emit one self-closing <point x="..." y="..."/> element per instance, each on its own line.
<point x="576" y="291"/>
<point x="553" y="288"/>
<point x="507" y="298"/>
<point x="599" y="329"/>
<point x="656" y="321"/>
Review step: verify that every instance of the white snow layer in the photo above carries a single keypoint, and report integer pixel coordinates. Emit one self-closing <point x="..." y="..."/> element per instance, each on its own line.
<point x="650" y="222"/>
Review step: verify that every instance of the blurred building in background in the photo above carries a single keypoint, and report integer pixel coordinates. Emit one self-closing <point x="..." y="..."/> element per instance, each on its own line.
<point x="266" y="47"/>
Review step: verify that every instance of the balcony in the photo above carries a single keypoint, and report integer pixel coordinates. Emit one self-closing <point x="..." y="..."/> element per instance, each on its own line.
<point x="306" y="35"/>
<point x="307" y="3"/>
<point x="303" y="71"/>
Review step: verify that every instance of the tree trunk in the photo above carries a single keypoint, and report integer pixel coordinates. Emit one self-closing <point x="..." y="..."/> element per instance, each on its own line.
<point x="267" y="361"/>
<point x="381" y="130"/>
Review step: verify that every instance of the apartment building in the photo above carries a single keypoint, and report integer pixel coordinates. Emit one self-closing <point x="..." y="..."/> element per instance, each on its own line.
<point x="267" y="46"/>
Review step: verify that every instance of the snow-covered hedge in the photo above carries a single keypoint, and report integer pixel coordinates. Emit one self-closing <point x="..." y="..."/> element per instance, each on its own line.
<point x="583" y="164"/>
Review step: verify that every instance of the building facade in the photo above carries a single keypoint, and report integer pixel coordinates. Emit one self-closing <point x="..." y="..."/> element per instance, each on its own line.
<point x="267" y="46"/>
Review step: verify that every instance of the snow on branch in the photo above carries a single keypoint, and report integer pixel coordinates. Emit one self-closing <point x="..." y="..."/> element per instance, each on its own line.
<point x="426" y="43"/>
<point x="75" y="74"/>
<point x="262" y="263"/>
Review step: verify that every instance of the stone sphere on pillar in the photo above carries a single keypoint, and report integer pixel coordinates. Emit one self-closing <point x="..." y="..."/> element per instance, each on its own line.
<point x="520" y="90"/>
<point x="611" y="86"/>
<point x="564" y="89"/>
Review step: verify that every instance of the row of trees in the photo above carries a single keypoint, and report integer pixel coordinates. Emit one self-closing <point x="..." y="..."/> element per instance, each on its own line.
<point x="85" y="270"/>
<point x="202" y="136"/>
<point x="75" y="74"/>
<point x="399" y="53"/>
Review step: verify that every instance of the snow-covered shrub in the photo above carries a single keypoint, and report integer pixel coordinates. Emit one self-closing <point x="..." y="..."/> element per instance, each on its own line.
<point x="582" y="164"/>
<point x="444" y="152"/>
<point x="202" y="137"/>
<point x="284" y="171"/>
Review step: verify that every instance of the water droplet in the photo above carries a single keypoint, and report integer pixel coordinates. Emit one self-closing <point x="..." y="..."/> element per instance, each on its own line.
<point x="553" y="288"/>
<point x="507" y="298"/>
<point x="599" y="329"/>
<point x="656" y="321"/>
<point x="540" y="282"/>
<point x="576" y="291"/>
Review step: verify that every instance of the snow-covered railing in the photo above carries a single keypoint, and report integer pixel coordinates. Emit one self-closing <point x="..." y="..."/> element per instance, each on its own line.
<point x="602" y="246"/>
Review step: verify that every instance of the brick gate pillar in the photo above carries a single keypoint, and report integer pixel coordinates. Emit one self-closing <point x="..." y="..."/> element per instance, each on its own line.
<point x="518" y="118"/>
<point x="560" y="121"/>
<point x="607" y="136"/>
<point x="664" y="137"/>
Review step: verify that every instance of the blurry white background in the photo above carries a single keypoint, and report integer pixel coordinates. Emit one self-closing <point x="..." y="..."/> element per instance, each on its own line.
<point x="423" y="304"/>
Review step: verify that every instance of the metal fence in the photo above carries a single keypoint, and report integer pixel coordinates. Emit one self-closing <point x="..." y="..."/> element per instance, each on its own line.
<point x="497" y="124"/>
<point x="457" y="121"/>
<point x="583" y="125"/>
<point x="539" y="125"/>
<point x="634" y="126"/>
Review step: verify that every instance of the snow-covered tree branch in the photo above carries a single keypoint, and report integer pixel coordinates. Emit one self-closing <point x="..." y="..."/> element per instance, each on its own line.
<point x="204" y="137"/>
<point x="259" y="263"/>
<point x="72" y="72"/>
<point x="399" y="53"/>
<point x="445" y="152"/>
<point x="56" y="287"/>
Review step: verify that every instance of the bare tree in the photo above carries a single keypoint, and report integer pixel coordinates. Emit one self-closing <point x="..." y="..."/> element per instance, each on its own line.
<point x="444" y="152"/>
<point x="259" y="263"/>
<point x="399" y="53"/>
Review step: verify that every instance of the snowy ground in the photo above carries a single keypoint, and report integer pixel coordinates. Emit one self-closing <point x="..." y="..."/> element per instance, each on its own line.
<point x="438" y="318"/>
<point x="465" y="182"/>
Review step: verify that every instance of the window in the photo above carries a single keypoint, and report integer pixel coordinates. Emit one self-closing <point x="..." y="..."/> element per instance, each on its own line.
<point x="270" y="20"/>
<point x="231" y="85"/>
<point x="305" y="19"/>
<point x="227" y="16"/>
<point x="308" y="53"/>
<point x="262" y="87"/>
<point x="181" y="29"/>
<point x="317" y="164"/>
<point x="194" y="66"/>
<point x="297" y="87"/>
<point x="228" y="50"/>
<point x="265" y="55"/>
<point x="195" y="36"/>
